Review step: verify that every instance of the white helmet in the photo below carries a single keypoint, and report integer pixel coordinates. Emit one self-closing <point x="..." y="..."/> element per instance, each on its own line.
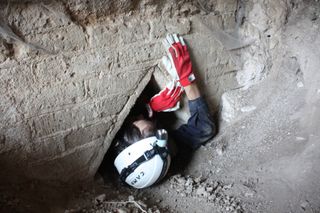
<point x="144" y="162"/>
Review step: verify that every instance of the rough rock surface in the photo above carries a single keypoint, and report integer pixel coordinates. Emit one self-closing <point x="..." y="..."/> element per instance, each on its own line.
<point x="71" y="72"/>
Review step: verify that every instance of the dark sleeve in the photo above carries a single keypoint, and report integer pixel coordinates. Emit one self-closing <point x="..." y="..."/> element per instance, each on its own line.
<point x="200" y="127"/>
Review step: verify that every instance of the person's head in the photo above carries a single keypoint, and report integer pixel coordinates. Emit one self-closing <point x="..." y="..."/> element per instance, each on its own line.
<point x="144" y="162"/>
<point x="135" y="130"/>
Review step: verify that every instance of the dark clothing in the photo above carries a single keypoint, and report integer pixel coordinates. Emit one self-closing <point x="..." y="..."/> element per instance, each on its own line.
<point x="200" y="127"/>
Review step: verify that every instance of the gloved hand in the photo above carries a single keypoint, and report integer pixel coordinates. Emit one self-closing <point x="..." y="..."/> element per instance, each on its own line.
<point x="167" y="100"/>
<point x="180" y="59"/>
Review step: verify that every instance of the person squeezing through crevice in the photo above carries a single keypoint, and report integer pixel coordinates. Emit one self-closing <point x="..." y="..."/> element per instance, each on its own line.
<point x="143" y="157"/>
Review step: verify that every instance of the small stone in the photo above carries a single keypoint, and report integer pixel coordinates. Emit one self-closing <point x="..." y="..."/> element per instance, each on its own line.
<point x="209" y="189"/>
<point x="130" y="198"/>
<point x="189" y="189"/>
<point x="212" y="197"/>
<point x="189" y="182"/>
<point x="121" y="211"/>
<point x="227" y="186"/>
<point x="227" y="202"/>
<point x="184" y="9"/>
<point x="300" y="139"/>
<point x="248" y="194"/>
<point x="197" y="179"/>
<point x="202" y="192"/>
<point x="181" y="181"/>
<point x="300" y="84"/>
<point x="304" y="205"/>
<point x="100" y="198"/>
<point x="219" y="151"/>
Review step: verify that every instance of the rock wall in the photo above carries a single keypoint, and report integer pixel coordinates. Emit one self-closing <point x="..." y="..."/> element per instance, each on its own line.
<point x="71" y="71"/>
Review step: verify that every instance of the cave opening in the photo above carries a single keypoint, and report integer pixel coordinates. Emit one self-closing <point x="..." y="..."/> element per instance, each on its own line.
<point x="162" y="120"/>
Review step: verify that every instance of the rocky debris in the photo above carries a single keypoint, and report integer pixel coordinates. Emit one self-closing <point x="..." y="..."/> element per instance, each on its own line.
<point x="304" y="205"/>
<point x="100" y="198"/>
<point x="211" y="191"/>
<point x="101" y="205"/>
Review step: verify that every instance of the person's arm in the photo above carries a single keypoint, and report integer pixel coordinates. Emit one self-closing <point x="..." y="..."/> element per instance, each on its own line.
<point x="192" y="91"/>
<point x="200" y="127"/>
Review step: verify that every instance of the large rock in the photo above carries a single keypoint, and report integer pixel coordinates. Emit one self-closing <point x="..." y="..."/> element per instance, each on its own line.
<point x="71" y="72"/>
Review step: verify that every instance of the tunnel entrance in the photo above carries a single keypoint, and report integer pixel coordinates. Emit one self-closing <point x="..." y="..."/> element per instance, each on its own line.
<point x="107" y="171"/>
<point x="163" y="120"/>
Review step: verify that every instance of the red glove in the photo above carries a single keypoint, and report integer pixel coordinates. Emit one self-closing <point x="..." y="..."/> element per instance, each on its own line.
<point x="180" y="58"/>
<point x="167" y="99"/>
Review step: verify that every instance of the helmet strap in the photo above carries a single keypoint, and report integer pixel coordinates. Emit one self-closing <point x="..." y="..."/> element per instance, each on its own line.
<point x="147" y="155"/>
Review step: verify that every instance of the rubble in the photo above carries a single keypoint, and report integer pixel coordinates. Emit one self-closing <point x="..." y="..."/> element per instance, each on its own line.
<point x="210" y="191"/>
<point x="121" y="206"/>
<point x="100" y="198"/>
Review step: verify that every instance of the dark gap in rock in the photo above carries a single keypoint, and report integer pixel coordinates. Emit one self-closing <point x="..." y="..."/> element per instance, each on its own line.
<point x="10" y="49"/>
<point x="166" y="120"/>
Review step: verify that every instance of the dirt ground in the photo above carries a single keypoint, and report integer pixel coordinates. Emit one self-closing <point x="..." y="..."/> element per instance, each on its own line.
<point x="267" y="160"/>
